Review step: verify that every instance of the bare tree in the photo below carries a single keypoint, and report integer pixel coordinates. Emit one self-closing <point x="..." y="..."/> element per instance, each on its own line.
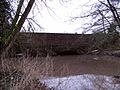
<point x="104" y="19"/>
<point x="103" y="14"/>
<point x="15" y="26"/>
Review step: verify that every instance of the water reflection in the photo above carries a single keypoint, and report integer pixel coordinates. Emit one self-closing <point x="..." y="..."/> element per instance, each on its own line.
<point x="84" y="82"/>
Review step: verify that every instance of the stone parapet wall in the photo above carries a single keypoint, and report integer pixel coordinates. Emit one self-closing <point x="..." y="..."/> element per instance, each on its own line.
<point x="53" y="39"/>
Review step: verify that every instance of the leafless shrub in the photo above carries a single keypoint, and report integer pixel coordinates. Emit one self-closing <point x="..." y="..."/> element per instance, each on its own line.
<point x="24" y="73"/>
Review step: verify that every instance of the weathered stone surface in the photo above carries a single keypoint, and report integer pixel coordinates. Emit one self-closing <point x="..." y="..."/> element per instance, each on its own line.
<point x="52" y="43"/>
<point x="58" y="43"/>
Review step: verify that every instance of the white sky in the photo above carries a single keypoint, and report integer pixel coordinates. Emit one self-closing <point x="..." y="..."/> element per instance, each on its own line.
<point x="57" y="19"/>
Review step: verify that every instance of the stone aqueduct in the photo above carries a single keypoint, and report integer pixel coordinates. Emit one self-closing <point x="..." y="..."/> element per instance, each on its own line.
<point x="52" y="43"/>
<point x="64" y="43"/>
<point x="57" y="43"/>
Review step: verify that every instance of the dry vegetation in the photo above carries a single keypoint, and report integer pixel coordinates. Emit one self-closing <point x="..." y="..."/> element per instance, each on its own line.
<point x="23" y="74"/>
<point x="28" y="74"/>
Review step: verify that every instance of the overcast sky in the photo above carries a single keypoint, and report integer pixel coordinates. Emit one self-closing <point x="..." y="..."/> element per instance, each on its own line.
<point x="55" y="19"/>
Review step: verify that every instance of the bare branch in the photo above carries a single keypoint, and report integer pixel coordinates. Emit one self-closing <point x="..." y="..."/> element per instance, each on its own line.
<point x="9" y="41"/>
<point x="17" y="15"/>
